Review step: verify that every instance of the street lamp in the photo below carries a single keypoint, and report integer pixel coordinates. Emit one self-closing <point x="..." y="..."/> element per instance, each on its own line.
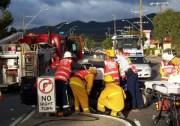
<point x="131" y="24"/>
<point x="71" y="29"/>
<point x="62" y="25"/>
<point x="25" y="26"/>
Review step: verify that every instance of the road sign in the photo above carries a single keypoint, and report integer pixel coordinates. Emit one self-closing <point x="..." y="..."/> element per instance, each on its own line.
<point x="46" y="94"/>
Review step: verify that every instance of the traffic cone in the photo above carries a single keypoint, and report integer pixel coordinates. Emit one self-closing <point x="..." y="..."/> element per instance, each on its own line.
<point x="1" y="96"/>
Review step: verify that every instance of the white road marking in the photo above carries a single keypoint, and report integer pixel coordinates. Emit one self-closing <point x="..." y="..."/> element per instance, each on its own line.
<point x="17" y="120"/>
<point x="27" y="117"/>
<point x="21" y="117"/>
<point x="137" y="122"/>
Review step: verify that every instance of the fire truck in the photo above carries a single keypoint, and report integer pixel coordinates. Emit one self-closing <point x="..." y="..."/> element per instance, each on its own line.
<point x="28" y="55"/>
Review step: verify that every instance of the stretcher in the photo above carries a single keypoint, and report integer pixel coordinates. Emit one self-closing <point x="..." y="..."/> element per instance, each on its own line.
<point x="166" y="91"/>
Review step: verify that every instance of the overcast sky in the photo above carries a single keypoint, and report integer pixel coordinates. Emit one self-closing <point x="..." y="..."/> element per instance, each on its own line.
<point x="83" y="10"/>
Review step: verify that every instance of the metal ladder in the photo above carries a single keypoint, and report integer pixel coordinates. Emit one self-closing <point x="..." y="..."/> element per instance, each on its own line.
<point x="29" y="63"/>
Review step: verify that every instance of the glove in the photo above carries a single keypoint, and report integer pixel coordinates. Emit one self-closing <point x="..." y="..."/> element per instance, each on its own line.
<point x="85" y="61"/>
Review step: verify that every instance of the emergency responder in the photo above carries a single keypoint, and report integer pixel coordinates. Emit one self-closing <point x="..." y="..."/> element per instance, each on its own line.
<point x="129" y="72"/>
<point x="81" y="84"/>
<point x="62" y="76"/>
<point x="111" y="67"/>
<point x="112" y="97"/>
<point x="54" y="61"/>
<point x="166" y="69"/>
<point x="172" y="59"/>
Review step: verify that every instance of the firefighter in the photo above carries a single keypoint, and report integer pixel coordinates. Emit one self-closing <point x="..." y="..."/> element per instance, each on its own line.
<point x="111" y="67"/>
<point x="81" y="84"/>
<point x="62" y="76"/>
<point x="112" y="97"/>
<point x="173" y="60"/>
<point x="129" y="73"/>
<point x="54" y="61"/>
<point x="166" y="69"/>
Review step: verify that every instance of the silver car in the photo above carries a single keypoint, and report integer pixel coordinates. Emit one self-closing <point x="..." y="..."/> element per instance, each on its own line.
<point x="141" y="64"/>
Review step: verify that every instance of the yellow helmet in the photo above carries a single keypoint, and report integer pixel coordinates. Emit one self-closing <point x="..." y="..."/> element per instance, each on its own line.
<point x="108" y="78"/>
<point x="110" y="53"/>
<point x="93" y="70"/>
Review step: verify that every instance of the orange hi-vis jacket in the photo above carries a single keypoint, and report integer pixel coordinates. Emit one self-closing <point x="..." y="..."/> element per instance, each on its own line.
<point x="64" y="70"/>
<point x="87" y="77"/>
<point x="165" y="70"/>
<point x="112" y="68"/>
<point x="82" y="73"/>
<point x="55" y="62"/>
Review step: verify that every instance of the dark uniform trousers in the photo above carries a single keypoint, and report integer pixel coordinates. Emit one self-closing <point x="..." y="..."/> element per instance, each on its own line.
<point x="62" y="94"/>
<point x="133" y="90"/>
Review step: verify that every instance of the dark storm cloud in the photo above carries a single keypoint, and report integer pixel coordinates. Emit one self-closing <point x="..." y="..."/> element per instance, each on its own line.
<point x="84" y="10"/>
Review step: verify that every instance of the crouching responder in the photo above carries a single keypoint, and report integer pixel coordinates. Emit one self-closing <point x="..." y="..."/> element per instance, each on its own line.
<point x="166" y="69"/>
<point x="62" y="76"/>
<point x="81" y="84"/>
<point x="112" y="97"/>
<point x="173" y="60"/>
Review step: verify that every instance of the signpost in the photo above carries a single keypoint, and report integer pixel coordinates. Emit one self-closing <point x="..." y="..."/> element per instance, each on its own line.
<point x="46" y="94"/>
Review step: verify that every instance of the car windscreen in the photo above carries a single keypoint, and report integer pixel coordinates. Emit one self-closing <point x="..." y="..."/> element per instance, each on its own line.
<point x="138" y="60"/>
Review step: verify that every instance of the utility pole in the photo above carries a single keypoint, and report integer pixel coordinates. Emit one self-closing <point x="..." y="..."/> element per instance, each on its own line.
<point x="114" y="24"/>
<point x="109" y="29"/>
<point x="141" y="27"/>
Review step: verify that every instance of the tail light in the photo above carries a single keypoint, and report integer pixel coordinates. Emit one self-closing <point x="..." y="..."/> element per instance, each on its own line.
<point x="35" y="84"/>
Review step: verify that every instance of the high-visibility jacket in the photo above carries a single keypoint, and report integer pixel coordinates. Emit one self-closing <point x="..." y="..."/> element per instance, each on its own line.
<point x="176" y="62"/>
<point x="112" y="68"/>
<point x="55" y="62"/>
<point x="166" y="69"/>
<point x="125" y="64"/>
<point x="64" y="70"/>
<point x="82" y="73"/>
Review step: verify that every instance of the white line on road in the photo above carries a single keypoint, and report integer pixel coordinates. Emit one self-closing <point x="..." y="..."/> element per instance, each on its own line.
<point x="21" y="117"/>
<point x="27" y="117"/>
<point x="17" y="120"/>
<point x="137" y="122"/>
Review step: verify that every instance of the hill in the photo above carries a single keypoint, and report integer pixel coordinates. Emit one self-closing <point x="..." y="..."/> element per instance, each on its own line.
<point x="96" y="28"/>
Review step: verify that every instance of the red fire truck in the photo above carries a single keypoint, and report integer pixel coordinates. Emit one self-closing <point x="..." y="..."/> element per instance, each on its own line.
<point x="27" y="55"/>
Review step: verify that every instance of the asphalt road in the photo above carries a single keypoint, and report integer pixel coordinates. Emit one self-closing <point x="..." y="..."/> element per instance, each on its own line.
<point x="13" y="112"/>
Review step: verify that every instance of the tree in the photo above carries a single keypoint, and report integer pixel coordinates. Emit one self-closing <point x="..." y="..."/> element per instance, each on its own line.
<point x="6" y="19"/>
<point x="107" y="43"/>
<point x="88" y="42"/>
<point x="167" y="24"/>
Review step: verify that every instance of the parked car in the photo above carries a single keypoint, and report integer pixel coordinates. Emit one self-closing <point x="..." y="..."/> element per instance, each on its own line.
<point x="141" y="64"/>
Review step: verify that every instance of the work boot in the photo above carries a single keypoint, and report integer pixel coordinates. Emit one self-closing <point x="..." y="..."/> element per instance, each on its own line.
<point x="120" y="115"/>
<point x="67" y="112"/>
<point x="92" y="110"/>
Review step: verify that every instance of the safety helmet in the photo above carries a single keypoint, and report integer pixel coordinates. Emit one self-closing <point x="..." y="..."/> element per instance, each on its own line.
<point x="110" y="53"/>
<point x="93" y="70"/>
<point x="167" y="57"/>
<point x="67" y="54"/>
<point x="108" y="78"/>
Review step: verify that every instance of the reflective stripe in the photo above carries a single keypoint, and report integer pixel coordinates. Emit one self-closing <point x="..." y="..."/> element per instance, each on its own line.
<point x="62" y="72"/>
<point x="75" y="83"/>
<point x="85" y="109"/>
<point x="115" y="93"/>
<point x="60" y="77"/>
<point x="100" y="105"/>
<point x="113" y="108"/>
<point x="111" y="72"/>
<point x="76" y="108"/>
<point x="66" y="106"/>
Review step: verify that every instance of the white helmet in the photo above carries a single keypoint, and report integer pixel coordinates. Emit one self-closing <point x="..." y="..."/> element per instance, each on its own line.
<point x="167" y="57"/>
<point x="67" y="54"/>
